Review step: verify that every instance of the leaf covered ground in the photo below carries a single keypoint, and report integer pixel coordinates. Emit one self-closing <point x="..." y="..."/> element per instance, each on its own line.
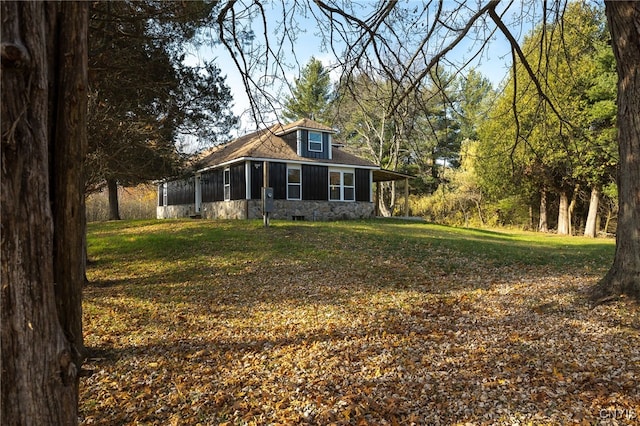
<point x="359" y="323"/>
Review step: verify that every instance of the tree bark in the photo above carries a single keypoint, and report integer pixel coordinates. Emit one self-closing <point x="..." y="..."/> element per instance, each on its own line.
<point x="624" y="275"/>
<point x="571" y="208"/>
<point x="563" y="214"/>
<point x="543" y="223"/>
<point x="44" y="57"/>
<point x="590" y="229"/>
<point x="114" y="207"/>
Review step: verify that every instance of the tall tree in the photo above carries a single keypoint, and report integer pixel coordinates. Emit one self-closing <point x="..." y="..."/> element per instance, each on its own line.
<point x="44" y="107"/>
<point x="310" y="94"/>
<point x="624" y="24"/>
<point x="136" y="125"/>
<point x="371" y="130"/>
<point x="555" y="149"/>
<point x="475" y="92"/>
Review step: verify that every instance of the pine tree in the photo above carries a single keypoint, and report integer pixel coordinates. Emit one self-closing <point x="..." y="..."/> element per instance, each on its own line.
<point x="310" y="95"/>
<point x="144" y="100"/>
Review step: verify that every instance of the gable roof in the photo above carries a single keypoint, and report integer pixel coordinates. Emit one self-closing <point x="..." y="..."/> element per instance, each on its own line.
<point x="304" y="123"/>
<point x="269" y="144"/>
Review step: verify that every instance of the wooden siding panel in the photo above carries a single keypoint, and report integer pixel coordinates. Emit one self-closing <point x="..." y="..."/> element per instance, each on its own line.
<point x="181" y="192"/>
<point x="256" y="180"/>
<point x="304" y="146"/>
<point x="315" y="182"/>
<point x="238" y="182"/>
<point x="212" y="184"/>
<point x="278" y="180"/>
<point x="363" y="185"/>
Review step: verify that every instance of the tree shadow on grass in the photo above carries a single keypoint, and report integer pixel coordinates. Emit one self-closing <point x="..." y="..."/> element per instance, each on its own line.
<point x="430" y="359"/>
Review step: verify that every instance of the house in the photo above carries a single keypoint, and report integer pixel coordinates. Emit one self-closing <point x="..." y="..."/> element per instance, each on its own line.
<point x="311" y="178"/>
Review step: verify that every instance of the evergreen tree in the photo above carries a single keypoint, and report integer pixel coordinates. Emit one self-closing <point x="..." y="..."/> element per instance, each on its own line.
<point x="474" y="92"/>
<point x="144" y="100"/>
<point x="310" y="94"/>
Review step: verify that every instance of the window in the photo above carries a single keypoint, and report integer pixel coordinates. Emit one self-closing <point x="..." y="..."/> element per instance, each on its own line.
<point x="227" y="184"/>
<point x="165" y="194"/>
<point x="294" y="183"/>
<point x="341" y="185"/>
<point x="315" y="141"/>
<point x="348" y="186"/>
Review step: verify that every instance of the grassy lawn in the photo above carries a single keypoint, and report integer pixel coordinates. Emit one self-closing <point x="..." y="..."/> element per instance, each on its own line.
<point x="367" y="322"/>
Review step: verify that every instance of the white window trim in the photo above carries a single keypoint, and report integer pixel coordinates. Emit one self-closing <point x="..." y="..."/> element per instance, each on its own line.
<point x="165" y="194"/>
<point x="353" y="178"/>
<point x="315" y="142"/>
<point x="299" y="168"/>
<point x="342" y="185"/>
<point x="226" y="183"/>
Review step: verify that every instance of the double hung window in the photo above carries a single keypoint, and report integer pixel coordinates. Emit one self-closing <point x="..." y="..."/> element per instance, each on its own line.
<point x="315" y="141"/>
<point x="341" y="185"/>
<point x="294" y="183"/>
<point x="227" y="184"/>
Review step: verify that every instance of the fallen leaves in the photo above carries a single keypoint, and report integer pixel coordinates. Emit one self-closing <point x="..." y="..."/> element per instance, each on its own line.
<point x="362" y="337"/>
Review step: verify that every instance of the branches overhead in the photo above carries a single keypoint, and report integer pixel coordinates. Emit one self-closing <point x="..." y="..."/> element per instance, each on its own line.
<point x="402" y="43"/>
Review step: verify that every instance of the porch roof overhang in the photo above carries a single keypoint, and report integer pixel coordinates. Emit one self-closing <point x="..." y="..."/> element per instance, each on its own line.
<point x="384" y="175"/>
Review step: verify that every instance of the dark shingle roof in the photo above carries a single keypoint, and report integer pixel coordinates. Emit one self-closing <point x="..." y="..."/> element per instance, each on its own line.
<point x="269" y="144"/>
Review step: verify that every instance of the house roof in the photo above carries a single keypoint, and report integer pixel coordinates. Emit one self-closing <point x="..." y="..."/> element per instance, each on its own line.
<point x="269" y="144"/>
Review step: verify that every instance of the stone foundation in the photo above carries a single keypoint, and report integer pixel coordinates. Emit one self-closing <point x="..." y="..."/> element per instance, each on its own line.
<point x="283" y="209"/>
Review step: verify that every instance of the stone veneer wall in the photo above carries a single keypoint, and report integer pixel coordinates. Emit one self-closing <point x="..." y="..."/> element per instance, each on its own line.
<point x="314" y="210"/>
<point x="234" y="209"/>
<point x="174" y="212"/>
<point x="283" y="209"/>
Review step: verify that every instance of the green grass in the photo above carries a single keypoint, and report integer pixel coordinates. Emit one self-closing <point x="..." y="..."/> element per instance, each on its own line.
<point x="235" y="242"/>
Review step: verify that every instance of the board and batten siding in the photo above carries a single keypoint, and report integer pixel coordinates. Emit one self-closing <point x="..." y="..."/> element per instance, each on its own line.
<point x="178" y="192"/>
<point x="212" y="185"/>
<point x="304" y="146"/>
<point x="278" y="180"/>
<point x="315" y="182"/>
<point x="363" y="184"/>
<point x="238" y="181"/>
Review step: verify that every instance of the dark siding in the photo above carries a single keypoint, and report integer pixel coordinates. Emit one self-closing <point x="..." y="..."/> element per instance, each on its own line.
<point x="292" y="140"/>
<point x="181" y="192"/>
<point x="160" y="194"/>
<point x="326" y="148"/>
<point x="363" y="185"/>
<point x="256" y="180"/>
<point x="238" y="182"/>
<point x="278" y="180"/>
<point x="212" y="184"/>
<point x="315" y="182"/>
<point x="304" y="146"/>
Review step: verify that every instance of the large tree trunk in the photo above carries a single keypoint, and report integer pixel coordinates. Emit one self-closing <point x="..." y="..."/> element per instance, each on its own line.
<point x="563" y="214"/>
<point x="624" y="275"/>
<point x="114" y="207"/>
<point x="543" y="223"/>
<point x="572" y="207"/>
<point x="44" y="82"/>
<point x="590" y="229"/>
